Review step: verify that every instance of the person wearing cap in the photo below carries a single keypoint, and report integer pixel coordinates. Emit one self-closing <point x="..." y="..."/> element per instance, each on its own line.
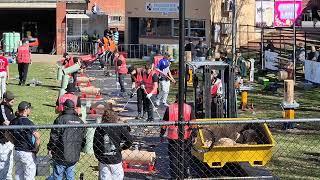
<point x="6" y="147"/>
<point x="201" y="50"/>
<point x="164" y="80"/>
<point x="4" y="73"/>
<point x="65" y="144"/>
<point x="23" y="61"/>
<point x="26" y="142"/>
<point x="70" y="94"/>
<point x="121" y="69"/>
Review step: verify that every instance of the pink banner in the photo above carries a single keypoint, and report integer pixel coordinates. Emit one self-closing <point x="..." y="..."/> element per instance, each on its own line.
<point x="284" y="12"/>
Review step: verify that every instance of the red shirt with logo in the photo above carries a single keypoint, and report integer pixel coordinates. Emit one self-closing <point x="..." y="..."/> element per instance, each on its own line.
<point x="3" y="64"/>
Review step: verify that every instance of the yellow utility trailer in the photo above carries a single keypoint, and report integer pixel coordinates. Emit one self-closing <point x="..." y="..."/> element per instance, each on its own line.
<point x="222" y="106"/>
<point x="217" y="156"/>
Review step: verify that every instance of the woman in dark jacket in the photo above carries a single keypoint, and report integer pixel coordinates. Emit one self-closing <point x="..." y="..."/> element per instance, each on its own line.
<point x="107" y="148"/>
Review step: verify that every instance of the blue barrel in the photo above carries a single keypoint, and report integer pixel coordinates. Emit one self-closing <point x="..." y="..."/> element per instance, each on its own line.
<point x="6" y="42"/>
<point x="11" y="42"/>
<point x="16" y="41"/>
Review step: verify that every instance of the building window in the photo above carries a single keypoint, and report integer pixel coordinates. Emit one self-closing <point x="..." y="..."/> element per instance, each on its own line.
<point x="175" y="29"/>
<point x="155" y="27"/>
<point x="194" y="28"/>
<point x="197" y="28"/>
<point x="115" y="18"/>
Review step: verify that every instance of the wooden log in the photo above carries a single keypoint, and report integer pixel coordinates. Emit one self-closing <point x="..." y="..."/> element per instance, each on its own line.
<point x="90" y="90"/>
<point x="137" y="156"/>
<point x="282" y="75"/>
<point x="82" y="79"/>
<point x="188" y="56"/>
<point x="289" y="91"/>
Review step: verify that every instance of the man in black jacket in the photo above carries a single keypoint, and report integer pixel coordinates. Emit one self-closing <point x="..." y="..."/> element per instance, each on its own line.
<point x="6" y="147"/>
<point x="65" y="143"/>
<point x="107" y="148"/>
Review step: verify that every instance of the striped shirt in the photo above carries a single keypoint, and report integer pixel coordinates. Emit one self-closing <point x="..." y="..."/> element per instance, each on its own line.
<point x="116" y="37"/>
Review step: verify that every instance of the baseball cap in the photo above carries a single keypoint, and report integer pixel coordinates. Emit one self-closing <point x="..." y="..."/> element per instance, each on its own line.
<point x="68" y="104"/>
<point x="8" y="95"/>
<point x="24" y="105"/>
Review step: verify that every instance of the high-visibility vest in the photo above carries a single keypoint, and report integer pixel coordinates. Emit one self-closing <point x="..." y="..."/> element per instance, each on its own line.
<point x="123" y="67"/>
<point x="173" y="132"/>
<point x="106" y="43"/>
<point x="23" y="54"/>
<point x="112" y="45"/>
<point x="139" y="78"/>
<point x="69" y="63"/>
<point x="215" y="87"/>
<point x="156" y="60"/>
<point x="65" y="97"/>
<point x="148" y="83"/>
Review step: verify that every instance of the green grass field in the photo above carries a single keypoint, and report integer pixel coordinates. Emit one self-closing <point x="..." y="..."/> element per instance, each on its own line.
<point x="296" y="156"/>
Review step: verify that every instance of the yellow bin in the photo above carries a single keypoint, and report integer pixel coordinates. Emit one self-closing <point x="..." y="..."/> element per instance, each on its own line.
<point x="218" y="156"/>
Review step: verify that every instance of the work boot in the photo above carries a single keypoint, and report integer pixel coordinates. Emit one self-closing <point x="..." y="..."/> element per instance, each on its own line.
<point x="139" y="116"/>
<point x="150" y="120"/>
<point x="144" y="114"/>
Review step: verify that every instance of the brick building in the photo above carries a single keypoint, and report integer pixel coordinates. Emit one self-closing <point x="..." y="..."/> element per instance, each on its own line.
<point x="47" y="19"/>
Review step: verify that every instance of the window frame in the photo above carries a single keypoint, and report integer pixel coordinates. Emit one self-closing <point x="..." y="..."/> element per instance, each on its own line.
<point x="188" y="28"/>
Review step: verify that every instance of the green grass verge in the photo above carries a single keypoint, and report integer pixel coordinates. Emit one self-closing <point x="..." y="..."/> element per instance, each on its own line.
<point x="42" y="97"/>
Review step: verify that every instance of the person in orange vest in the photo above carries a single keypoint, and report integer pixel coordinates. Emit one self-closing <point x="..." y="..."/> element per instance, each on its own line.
<point x="136" y="76"/>
<point x="121" y="69"/>
<point x="23" y="60"/>
<point x="156" y="59"/>
<point x="4" y="73"/>
<point x="101" y="54"/>
<point x="150" y="86"/>
<point x="171" y="115"/>
<point x="216" y="88"/>
<point x="70" y="61"/>
<point x="67" y="60"/>
<point x="71" y="89"/>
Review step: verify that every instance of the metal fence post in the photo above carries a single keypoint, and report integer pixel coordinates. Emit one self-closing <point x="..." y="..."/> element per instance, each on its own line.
<point x="181" y="86"/>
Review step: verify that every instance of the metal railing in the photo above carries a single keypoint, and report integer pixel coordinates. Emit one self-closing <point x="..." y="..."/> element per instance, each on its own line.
<point x="84" y="47"/>
<point x="307" y="16"/>
<point x="233" y="149"/>
<point x="138" y="50"/>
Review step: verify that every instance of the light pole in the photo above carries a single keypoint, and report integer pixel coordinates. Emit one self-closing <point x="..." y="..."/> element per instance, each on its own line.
<point x="181" y="86"/>
<point x="234" y="30"/>
<point x="262" y="38"/>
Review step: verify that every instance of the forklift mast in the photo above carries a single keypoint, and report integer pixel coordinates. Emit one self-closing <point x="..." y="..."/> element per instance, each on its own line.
<point x="202" y="84"/>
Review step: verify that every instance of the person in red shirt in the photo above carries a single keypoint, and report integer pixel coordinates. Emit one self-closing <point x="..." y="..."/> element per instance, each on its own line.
<point x="23" y="60"/>
<point x="4" y="73"/>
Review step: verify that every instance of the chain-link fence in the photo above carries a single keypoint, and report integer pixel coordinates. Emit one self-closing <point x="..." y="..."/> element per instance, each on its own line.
<point x="215" y="149"/>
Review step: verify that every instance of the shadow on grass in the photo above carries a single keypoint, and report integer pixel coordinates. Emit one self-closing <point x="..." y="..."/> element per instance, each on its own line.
<point x="49" y="105"/>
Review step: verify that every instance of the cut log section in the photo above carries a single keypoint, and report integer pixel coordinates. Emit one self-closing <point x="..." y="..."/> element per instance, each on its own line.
<point x="137" y="156"/>
<point x="289" y="91"/>
<point x="90" y="90"/>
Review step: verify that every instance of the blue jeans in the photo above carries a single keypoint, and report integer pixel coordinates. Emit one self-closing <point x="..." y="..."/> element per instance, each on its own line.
<point x="60" y="171"/>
